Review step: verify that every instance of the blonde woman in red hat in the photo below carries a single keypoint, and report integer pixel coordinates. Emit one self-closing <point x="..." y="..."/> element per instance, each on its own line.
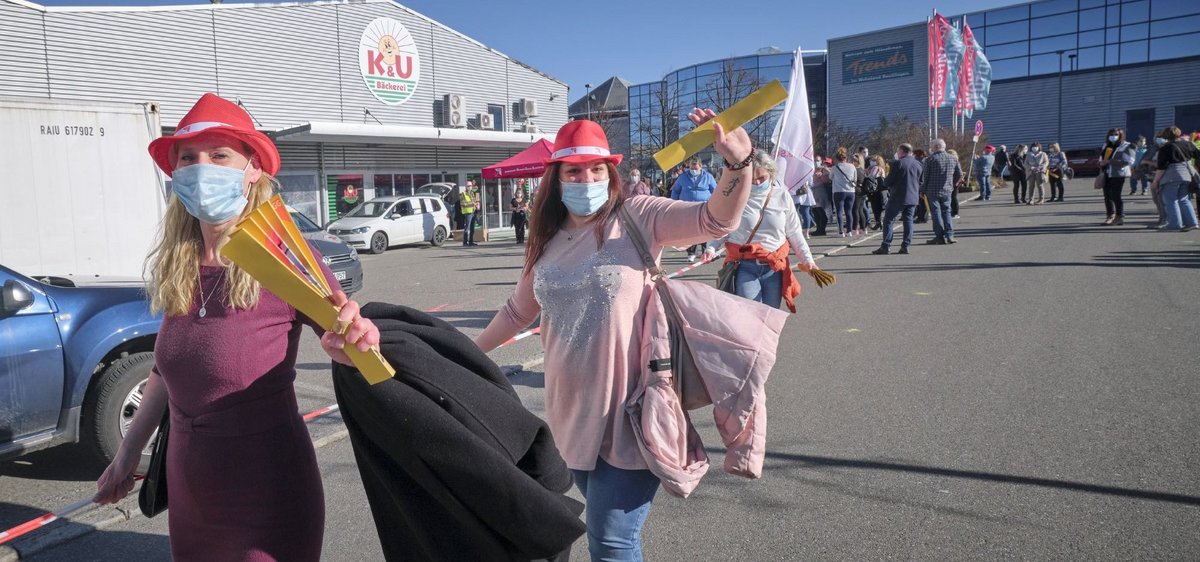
<point x="241" y="469"/>
<point x="585" y="278"/>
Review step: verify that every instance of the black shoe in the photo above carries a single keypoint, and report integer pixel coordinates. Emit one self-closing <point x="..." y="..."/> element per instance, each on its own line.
<point x="881" y="251"/>
<point x="951" y="241"/>
<point x="903" y="249"/>
<point x="936" y="241"/>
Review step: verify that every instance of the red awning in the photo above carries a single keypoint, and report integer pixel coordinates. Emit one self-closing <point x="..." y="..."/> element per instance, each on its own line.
<point x="525" y="164"/>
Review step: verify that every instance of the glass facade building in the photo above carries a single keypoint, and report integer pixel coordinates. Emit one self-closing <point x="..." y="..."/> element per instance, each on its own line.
<point x="1035" y="39"/>
<point x="658" y="110"/>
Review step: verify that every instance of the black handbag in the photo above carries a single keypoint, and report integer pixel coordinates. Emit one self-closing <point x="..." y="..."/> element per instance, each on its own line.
<point x="152" y="498"/>
<point x="727" y="276"/>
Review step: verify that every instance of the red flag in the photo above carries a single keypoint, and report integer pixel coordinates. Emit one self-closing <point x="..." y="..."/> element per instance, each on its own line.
<point x="938" y="62"/>
<point x="966" y="76"/>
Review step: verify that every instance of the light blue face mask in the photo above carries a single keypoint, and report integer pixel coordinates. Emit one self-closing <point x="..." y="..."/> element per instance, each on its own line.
<point x="758" y="188"/>
<point x="1113" y="138"/>
<point x="694" y="173"/>
<point x="1160" y="141"/>
<point x="585" y="199"/>
<point x="211" y="193"/>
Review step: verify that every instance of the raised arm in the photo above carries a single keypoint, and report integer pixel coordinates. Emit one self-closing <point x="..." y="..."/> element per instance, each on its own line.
<point x="733" y="187"/>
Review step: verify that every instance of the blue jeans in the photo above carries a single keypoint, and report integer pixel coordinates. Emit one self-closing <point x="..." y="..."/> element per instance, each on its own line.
<point x="1143" y="179"/>
<point x="759" y="283"/>
<point x="896" y="207"/>
<point x="617" y="503"/>
<point x="985" y="187"/>
<point x="469" y="228"/>
<point x="943" y="224"/>
<point x="1176" y="205"/>
<point x="806" y="219"/>
<point x="843" y="204"/>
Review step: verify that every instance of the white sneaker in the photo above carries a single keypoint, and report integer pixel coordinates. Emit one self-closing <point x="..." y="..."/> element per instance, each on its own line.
<point x="691" y="258"/>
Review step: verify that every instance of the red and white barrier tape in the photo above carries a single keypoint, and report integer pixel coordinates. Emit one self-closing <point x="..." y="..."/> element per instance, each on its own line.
<point x="38" y="523"/>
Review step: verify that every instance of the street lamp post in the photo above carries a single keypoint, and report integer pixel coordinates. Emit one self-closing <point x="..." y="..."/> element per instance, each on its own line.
<point x="589" y="100"/>
<point x="1058" y="137"/>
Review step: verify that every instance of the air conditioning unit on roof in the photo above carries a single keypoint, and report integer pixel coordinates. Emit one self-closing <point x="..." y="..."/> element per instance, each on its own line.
<point x="527" y="108"/>
<point x="487" y="121"/>
<point x="455" y="111"/>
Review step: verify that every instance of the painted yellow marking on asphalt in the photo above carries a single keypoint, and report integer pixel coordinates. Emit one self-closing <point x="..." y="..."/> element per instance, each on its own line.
<point x="921" y="294"/>
<point x="852" y="330"/>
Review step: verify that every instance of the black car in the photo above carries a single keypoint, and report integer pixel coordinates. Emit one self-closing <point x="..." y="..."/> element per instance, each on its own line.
<point x="341" y="258"/>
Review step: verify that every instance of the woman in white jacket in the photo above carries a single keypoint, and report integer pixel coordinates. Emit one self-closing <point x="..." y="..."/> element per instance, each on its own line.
<point x="1037" y="166"/>
<point x="764" y="239"/>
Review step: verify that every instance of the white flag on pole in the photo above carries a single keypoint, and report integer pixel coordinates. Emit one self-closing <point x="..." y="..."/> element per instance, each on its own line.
<point x="793" y="135"/>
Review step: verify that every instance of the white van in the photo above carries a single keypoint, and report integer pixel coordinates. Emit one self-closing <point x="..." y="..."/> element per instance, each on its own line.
<point x="388" y="221"/>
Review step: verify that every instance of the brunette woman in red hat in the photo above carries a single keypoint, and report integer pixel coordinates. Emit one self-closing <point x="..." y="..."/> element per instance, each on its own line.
<point x="241" y="470"/>
<point x="584" y="276"/>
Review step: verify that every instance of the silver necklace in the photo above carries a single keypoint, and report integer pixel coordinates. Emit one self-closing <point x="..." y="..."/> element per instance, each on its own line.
<point x="203" y="299"/>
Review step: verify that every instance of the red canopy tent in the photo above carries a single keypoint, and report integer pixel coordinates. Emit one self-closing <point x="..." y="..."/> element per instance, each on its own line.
<point x="528" y="163"/>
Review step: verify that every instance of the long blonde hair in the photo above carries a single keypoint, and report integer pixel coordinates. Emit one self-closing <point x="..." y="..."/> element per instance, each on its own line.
<point x="174" y="263"/>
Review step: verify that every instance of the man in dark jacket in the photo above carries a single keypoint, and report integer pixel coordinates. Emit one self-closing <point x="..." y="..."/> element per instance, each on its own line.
<point x="454" y="467"/>
<point x="903" y="183"/>
<point x="1001" y="163"/>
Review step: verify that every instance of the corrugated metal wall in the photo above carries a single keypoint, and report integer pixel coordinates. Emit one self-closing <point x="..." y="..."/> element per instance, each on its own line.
<point x="22" y="52"/>
<point x="1022" y="110"/>
<point x="288" y="63"/>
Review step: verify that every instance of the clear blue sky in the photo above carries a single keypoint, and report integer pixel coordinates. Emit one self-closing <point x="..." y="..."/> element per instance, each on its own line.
<point x="640" y="41"/>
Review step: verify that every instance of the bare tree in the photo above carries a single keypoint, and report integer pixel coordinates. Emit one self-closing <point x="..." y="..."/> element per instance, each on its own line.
<point x="731" y="85"/>
<point x="657" y="131"/>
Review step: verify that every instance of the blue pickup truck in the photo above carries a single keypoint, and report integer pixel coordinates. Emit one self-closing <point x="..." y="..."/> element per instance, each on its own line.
<point x="73" y="361"/>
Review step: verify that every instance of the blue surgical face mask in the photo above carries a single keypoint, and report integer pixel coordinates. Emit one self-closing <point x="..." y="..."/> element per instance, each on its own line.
<point x="1113" y="138"/>
<point x="584" y="199"/>
<point x="760" y="187"/>
<point x="1160" y="141"/>
<point x="694" y="173"/>
<point x="211" y="193"/>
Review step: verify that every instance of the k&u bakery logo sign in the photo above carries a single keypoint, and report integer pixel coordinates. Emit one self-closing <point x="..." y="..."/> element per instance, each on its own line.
<point x="388" y="60"/>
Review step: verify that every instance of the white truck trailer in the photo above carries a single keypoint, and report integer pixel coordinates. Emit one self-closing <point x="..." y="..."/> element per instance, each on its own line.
<point x="79" y="195"/>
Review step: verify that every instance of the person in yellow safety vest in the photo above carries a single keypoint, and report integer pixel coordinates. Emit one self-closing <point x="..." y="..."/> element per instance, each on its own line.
<point x="467" y="204"/>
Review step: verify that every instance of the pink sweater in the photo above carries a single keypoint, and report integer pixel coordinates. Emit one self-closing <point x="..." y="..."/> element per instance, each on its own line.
<point x="593" y="306"/>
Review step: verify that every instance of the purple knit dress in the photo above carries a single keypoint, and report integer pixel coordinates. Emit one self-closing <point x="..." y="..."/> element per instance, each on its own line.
<point x="241" y="469"/>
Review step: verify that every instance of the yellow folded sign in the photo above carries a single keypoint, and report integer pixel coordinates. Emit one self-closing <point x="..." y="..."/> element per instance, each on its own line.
<point x="269" y="247"/>
<point x="753" y="105"/>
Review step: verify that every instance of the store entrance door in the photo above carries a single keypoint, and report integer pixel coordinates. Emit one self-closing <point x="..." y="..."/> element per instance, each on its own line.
<point x="345" y="193"/>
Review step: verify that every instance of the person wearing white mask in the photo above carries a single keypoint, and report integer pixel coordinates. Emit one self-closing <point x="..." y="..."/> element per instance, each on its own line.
<point x="1037" y="166"/>
<point x="585" y="278"/>
<point x="770" y="230"/>
<point x="1116" y="160"/>
<point x="636" y="186"/>
<point x="695" y="184"/>
<point x="240" y="464"/>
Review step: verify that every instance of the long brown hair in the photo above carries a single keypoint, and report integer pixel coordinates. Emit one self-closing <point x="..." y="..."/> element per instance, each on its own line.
<point x="549" y="213"/>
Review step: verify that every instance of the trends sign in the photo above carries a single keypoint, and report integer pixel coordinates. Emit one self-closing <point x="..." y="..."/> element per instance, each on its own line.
<point x="877" y="63"/>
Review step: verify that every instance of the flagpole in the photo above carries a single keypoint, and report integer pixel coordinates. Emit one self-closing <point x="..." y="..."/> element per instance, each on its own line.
<point x="929" y="88"/>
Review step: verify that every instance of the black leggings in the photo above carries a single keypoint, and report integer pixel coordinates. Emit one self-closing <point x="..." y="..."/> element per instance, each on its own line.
<point x="1113" y="205"/>
<point x="878" y="205"/>
<point x="1020" y="187"/>
<point x="860" y="211"/>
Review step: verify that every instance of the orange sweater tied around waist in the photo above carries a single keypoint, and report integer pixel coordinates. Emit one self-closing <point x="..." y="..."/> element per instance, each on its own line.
<point x="777" y="261"/>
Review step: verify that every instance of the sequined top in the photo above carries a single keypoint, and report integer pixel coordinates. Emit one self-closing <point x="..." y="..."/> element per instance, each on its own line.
<point x="593" y="306"/>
